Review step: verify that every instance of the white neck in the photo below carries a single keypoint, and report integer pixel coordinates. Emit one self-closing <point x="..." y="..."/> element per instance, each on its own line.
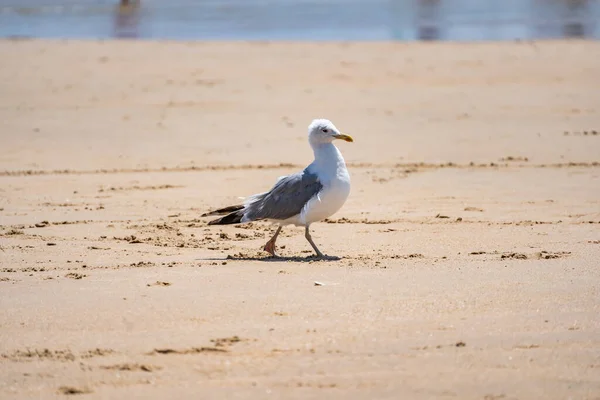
<point x="329" y="158"/>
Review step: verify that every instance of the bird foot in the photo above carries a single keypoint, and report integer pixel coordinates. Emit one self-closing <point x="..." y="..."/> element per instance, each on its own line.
<point x="270" y="248"/>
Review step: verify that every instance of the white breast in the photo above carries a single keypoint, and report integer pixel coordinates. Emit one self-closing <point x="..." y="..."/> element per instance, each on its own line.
<point x="332" y="172"/>
<point x="326" y="203"/>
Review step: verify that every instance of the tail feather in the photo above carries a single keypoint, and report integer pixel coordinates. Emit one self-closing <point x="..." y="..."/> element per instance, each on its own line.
<point x="225" y="210"/>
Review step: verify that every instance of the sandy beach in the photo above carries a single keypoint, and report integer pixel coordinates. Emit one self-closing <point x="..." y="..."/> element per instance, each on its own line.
<point x="469" y="247"/>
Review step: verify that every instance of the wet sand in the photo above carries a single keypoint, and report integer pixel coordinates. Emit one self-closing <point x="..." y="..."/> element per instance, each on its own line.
<point x="469" y="245"/>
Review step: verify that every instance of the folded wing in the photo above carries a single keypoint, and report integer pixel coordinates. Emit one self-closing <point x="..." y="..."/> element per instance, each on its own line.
<point x="286" y="199"/>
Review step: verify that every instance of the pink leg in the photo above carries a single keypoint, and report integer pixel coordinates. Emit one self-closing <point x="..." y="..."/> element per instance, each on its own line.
<point x="270" y="246"/>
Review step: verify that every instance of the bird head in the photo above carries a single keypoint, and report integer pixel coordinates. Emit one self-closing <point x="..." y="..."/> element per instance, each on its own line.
<point x="324" y="131"/>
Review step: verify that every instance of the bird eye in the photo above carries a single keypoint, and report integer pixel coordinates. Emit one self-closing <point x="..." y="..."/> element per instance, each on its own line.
<point x="325" y="130"/>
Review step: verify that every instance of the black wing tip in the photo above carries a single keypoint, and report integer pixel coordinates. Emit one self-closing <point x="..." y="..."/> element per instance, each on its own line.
<point x="232" y="218"/>
<point x="225" y="210"/>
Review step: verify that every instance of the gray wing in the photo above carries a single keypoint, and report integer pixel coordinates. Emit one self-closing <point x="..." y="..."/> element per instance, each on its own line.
<point x="286" y="199"/>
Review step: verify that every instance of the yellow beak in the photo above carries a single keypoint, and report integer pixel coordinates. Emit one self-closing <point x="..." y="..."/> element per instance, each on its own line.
<point x="347" y="138"/>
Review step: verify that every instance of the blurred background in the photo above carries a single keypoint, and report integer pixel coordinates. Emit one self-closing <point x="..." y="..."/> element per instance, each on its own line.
<point x="406" y="20"/>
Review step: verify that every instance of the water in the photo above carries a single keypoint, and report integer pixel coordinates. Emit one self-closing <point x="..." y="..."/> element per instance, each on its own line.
<point x="406" y="20"/>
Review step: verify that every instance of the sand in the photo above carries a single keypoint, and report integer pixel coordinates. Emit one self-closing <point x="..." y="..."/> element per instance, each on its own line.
<point x="469" y="247"/>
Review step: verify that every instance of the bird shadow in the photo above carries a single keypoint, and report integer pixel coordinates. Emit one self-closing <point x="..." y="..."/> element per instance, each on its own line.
<point x="274" y="258"/>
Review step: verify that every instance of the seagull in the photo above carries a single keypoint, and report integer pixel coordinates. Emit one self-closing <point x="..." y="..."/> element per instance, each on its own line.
<point x="299" y="199"/>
